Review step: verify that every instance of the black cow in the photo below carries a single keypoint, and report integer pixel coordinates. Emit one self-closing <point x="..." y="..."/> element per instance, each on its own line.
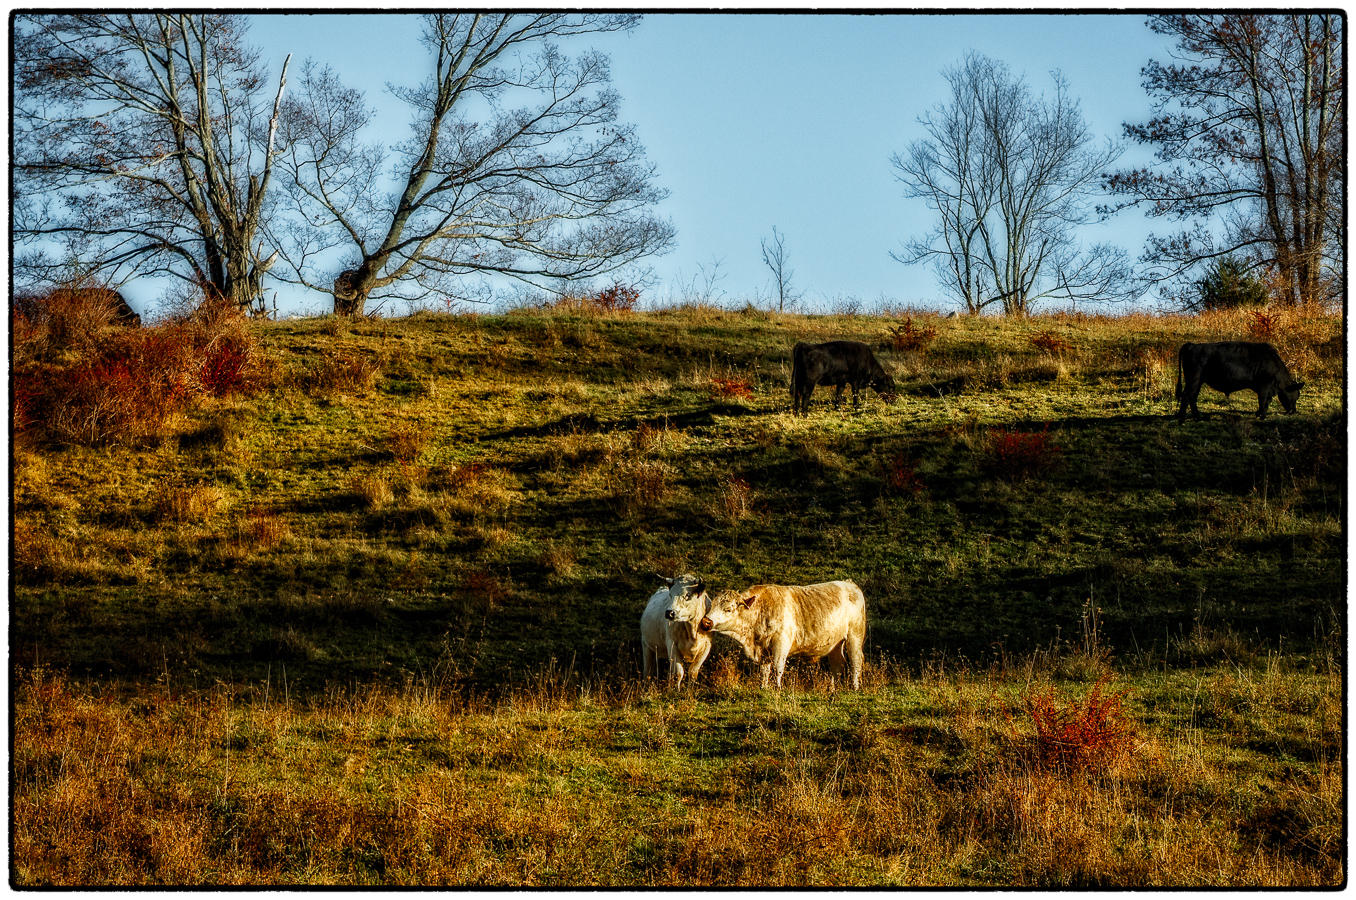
<point x="839" y="363"/>
<point x="1230" y="366"/>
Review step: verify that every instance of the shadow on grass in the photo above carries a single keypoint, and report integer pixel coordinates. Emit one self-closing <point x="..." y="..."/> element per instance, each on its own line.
<point x="589" y="423"/>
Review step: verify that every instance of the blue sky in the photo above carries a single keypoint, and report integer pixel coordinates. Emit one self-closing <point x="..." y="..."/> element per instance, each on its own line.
<point x="756" y="120"/>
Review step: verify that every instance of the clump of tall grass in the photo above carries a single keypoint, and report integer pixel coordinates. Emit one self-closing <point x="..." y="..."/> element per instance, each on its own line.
<point x="639" y="485"/>
<point x="476" y="490"/>
<point x="734" y="503"/>
<point x="408" y="441"/>
<point x="187" y="503"/>
<point x="339" y="373"/>
<point x="262" y="530"/>
<point x="373" y="489"/>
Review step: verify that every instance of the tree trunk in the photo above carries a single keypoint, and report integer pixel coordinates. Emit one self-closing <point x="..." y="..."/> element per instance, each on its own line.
<point x="350" y="292"/>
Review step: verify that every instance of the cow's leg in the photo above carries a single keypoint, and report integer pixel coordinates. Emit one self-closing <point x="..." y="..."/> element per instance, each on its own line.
<point x="648" y="660"/>
<point x="1190" y="394"/>
<point x="854" y="657"/>
<point x="838" y="395"/>
<point x="675" y="671"/>
<point x="765" y="669"/>
<point x="1263" y="401"/>
<point x="1186" y="399"/>
<point x="804" y="398"/>
<point x="837" y="663"/>
<point x="697" y="662"/>
<point x="675" y="665"/>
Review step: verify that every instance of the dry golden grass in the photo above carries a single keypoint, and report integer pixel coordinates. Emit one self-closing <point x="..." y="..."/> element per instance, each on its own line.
<point x="921" y="781"/>
<point x="187" y="503"/>
<point x="499" y="545"/>
<point x="262" y="530"/>
<point x="340" y="373"/>
<point x="408" y="440"/>
<point x="373" y="488"/>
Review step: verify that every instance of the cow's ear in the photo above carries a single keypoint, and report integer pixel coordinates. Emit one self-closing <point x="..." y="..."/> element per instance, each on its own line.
<point x="748" y="600"/>
<point x="701" y="586"/>
<point x="1297" y="385"/>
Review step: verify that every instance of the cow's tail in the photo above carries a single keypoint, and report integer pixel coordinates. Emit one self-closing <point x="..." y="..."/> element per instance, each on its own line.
<point x="798" y="369"/>
<point x="1177" y="391"/>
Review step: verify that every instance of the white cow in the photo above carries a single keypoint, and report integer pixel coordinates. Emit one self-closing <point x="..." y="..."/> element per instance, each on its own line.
<point x="773" y="621"/>
<point x="674" y="627"/>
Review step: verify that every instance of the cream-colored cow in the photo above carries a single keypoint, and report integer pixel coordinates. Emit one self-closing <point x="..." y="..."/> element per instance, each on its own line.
<point x="674" y="627"/>
<point x="772" y="622"/>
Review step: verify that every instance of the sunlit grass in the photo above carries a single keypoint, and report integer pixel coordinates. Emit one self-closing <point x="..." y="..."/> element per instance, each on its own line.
<point x="376" y="623"/>
<point x="919" y="780"/>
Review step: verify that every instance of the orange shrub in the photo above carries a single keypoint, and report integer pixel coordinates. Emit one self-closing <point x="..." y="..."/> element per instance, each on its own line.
<point x="909" y="337"/>
<point x="731" y="388"/>
<point x="617" y="298"/>
<point x="1050" y="343"/>
<point x="69" y="317"/>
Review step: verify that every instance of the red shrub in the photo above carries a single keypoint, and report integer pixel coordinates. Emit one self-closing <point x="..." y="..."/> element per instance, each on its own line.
<point x="902" y="478"/>
<point x="908" y="337"/>
<point x="1080" y="734"/>
<point x="467" y="475"/>
<point x="135" y="382"/>
<point x="1015" y="455"/>
<point x="224" y="368"/>
<point x="483" y="585"/>
<point x="1262" y="325"/>
<point x="131" y="388"/>
<point x="732" y="388"/>
<point x="1050" y="343"/>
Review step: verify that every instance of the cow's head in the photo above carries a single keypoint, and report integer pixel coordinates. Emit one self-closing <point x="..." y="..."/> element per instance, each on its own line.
<point x="1289" y="396"/>
<point x="730" y="606"/>
<point x="687" y="597"/>
<point x="884" y="385"/>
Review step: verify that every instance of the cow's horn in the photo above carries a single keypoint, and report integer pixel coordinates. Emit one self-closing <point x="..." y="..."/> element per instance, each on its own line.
<point x="668" y="581"/>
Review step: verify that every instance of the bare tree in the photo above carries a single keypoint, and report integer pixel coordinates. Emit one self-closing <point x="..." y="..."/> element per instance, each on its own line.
<point x="1010" y="176"/>
<point x="1247" y="127"/>
<point x="143" y="144"/>
<point x="776" y="259"/>
<point x="517" y="165"/>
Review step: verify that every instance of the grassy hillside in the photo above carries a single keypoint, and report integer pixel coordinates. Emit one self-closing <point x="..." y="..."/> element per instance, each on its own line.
<point x="485" y="493"/>
<point x="375" y="622"/>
